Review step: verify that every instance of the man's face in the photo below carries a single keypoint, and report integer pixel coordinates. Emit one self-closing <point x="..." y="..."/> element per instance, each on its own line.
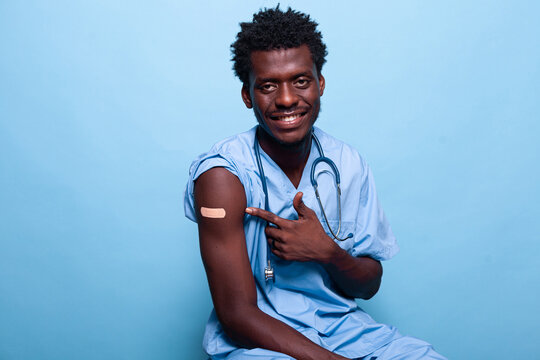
<point x="284" y="93"/>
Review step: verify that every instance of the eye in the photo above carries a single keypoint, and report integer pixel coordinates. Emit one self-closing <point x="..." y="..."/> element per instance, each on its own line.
<point x="266" y="87"/>
<point x="302" y="83"/>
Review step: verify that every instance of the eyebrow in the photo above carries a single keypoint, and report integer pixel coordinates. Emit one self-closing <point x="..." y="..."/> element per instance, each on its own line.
<point x="295" y="76"/>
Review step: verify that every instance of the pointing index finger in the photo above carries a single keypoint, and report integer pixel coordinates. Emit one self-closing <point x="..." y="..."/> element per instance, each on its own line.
<point x="265" y="215"/>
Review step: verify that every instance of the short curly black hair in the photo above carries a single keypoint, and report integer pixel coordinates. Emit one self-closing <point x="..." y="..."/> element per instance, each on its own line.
<point x="276" y="29"/>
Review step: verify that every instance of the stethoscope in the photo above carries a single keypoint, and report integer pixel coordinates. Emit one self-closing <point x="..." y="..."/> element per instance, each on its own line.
<point x="269" y="270"/>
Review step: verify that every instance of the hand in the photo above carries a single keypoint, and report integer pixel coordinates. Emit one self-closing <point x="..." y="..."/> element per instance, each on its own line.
<point x="297" y="240"/>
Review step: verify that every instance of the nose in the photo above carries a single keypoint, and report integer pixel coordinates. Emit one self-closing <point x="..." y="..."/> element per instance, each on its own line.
<point x="286" y="96"/>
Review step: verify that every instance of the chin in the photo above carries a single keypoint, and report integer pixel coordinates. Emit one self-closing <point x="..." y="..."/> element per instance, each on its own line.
<point x="296" y="140"/>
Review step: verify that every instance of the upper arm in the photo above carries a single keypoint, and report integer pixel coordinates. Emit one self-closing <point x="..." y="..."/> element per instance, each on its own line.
<point x="222" y="242"/>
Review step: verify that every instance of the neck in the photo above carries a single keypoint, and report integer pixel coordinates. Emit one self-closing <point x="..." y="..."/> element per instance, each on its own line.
<point x="290" y="158"/>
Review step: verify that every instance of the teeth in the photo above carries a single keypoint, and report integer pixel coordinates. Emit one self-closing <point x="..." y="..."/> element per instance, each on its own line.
<point x="289" y="118"/>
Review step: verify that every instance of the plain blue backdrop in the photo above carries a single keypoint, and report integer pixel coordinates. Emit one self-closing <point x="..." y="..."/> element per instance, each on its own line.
<point x="104" y="104"/>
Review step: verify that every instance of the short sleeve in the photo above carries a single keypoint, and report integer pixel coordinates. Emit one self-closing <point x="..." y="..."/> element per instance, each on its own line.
<point x="198" y="167"/>
<point x="373" y="235"/>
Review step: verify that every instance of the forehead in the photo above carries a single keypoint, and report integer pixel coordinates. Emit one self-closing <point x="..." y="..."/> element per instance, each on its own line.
<point x="281" y="63"/>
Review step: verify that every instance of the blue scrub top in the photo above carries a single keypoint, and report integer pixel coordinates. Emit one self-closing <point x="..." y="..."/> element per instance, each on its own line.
<point x="303" y="295"/>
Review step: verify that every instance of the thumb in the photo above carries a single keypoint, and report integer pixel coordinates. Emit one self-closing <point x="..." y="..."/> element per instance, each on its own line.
<point x="299" y="205"/>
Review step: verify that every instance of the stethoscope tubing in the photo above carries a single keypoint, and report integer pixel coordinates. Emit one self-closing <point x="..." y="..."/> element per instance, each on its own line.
<point x="269" y="271"/>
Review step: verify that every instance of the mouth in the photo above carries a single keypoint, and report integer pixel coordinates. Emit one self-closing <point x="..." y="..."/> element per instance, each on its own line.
<point x="288" y="118"/>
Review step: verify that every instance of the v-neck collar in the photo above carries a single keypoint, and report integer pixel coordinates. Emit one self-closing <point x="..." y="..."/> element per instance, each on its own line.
<point x="284" y="178"/>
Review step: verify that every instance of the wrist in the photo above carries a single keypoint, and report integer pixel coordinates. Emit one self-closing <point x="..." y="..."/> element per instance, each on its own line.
<point x="333" y="253"/>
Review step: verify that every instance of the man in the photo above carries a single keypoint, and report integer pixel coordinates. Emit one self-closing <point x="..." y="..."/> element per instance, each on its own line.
<point x="283" y="271"/>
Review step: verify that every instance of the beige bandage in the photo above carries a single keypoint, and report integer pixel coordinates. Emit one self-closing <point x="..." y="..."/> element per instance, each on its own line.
<point x="214" y="213"/>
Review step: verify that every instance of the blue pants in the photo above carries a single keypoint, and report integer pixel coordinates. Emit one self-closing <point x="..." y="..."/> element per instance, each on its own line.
<point x="403" y="348"/>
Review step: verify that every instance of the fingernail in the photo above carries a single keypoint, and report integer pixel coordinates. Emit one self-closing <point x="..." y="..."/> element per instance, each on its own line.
<point x="249" y="211"/>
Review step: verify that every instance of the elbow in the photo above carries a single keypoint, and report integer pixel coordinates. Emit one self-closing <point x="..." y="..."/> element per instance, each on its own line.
<point x="364" y="290"/>
<point x="374" y="284"/>
<point x="371" y="290"/>
<point x="236" y="324"/>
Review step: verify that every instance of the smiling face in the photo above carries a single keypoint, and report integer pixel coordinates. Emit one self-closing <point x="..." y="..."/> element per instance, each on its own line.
<point x="284" y="92"/>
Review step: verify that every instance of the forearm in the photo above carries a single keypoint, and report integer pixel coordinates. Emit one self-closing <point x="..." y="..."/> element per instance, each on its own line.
<point x="254" y="328"/>
<point x="358" y="277"/>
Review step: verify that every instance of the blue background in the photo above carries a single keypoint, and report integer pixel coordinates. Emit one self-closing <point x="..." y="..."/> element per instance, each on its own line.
<point x="103" y="105"/>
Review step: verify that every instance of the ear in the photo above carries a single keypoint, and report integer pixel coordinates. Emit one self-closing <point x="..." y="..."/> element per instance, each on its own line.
<point x="246" y="97"/>
<point x="321" y="84"/>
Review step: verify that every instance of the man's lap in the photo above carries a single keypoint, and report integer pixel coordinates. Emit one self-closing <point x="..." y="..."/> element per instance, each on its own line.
<point x="403" y="348"/>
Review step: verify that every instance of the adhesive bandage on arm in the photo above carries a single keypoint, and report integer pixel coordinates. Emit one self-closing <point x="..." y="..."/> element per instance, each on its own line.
<point x="213" y="213"/>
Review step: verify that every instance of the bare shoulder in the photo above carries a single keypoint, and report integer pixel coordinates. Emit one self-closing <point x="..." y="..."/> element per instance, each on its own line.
<point x="219" y="197"/>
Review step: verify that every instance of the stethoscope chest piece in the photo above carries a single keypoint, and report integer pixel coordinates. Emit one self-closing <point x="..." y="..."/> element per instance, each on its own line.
<point x="269" y="272"/>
